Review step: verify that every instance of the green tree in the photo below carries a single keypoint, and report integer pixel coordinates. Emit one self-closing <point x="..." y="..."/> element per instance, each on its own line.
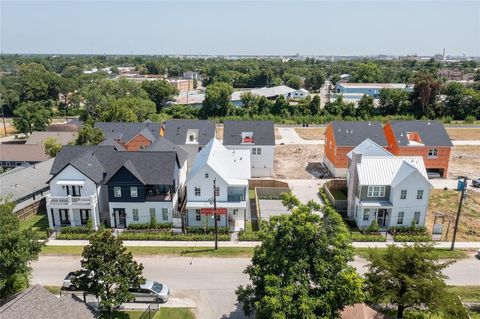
<point x="217" y="100"/>
<point x="393" y="102"/>
<point x="367" y="73"/>
<point x="314" y="105"/>
<point x="365" y="107"/>
<point x="18" y="248"/>
<point x="314" y="81"/>
<point x="407" y="277"/>
<point x="108" y="271"/>
<point x="89" y="136"/>
<point x="425" y="94"/>
<point x="31" y="116"/>
<point x="300" y="270"/>
<point x="295" y="82"/>
<point x="249" y="101"/>
<point x="160" y="92"/>
<point x="128" y="109"/>
<point x="281" y="106"/>
<point x="289" y="200"/>
<point x="52" y="146"/>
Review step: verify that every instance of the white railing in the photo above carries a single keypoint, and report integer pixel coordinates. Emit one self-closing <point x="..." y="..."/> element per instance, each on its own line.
<point x="71" y="200"/>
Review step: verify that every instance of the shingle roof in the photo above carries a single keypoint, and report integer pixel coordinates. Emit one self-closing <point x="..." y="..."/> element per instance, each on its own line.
<point x="124" y="132"/>
<point x="432" y="133"/>
<point x="40" y="137"/>
<point x="354" y="133"/>
<point x="263" y="132"/>
<point x="112" y="142"/>
<point x="22" y="152"/>
<point x="37" y="303"/>
<point x="176" y="130"/>
<point x="164" y="145"/>
<point x="100" y="163"/>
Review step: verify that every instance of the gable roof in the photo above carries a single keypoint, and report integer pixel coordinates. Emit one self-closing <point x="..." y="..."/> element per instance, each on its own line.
<point x="432" y="133"/>
<point x="124" y="132"/>
<point x="36" y="302"/>
<point x="61" y="137"/>
<point x="176" y="130"/>
<point x="112" y="142"/>
<point x="263" y="132"/>
<point x="369" y="148"/>
<point x="353" y="133"/>
<point x="22" y="153"/>
<point x="164" y="145"/>
<point x="389" y="170"/>
<point x="233" y="166"/>
<point x="101" y="163"/>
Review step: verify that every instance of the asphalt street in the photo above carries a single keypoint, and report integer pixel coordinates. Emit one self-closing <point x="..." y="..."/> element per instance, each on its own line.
<point x="209" y="283"/>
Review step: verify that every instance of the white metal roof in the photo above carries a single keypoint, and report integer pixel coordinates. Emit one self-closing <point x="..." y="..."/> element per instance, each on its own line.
<point x="376" y="203"/>
<point x="232" y="165"/>
<point x="369" y="148"/>
<point x="267" y="92"/>
<point x="383" y="170"/>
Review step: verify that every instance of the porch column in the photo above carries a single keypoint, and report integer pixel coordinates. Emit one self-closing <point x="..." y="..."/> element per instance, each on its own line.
<point x="51" y="216"/>
<point x="70" y="211"/>
<point x="94" y="216"/>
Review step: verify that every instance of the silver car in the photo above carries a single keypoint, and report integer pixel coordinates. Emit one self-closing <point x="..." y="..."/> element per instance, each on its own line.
<point x="151" y="291"/>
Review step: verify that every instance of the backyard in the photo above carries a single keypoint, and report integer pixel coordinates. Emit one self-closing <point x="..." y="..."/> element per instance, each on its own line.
<point x="38" y="223"/>
<point x="447" y="202"/>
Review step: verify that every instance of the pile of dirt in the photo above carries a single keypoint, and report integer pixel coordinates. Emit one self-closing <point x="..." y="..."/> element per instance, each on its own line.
<point x="297" y="161"/>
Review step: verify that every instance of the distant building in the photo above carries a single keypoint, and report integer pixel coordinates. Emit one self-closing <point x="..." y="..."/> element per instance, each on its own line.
<point x="13" y="155"/>
<point x="39" y="138"/>
<point x="271" y="93"/>
<point x="131" y="136"/>
<point x="182" y="85"/>
<point x="353" y="92"/>
<point x="455" y="75"/>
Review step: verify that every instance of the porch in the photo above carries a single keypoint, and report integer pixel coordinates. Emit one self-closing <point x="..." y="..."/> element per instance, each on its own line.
<point x="368" y="211"/>
<point x="72" y="217"/>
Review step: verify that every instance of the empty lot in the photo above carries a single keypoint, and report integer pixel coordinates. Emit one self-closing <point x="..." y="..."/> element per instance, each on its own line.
<point x="464" y="134"/>
<point x="465" y="160"/>
<point x="311" y="133"/>
<point x="297" y="161"/>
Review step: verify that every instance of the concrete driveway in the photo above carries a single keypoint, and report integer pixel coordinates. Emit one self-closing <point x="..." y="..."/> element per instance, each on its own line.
<point x="306" y="189"/>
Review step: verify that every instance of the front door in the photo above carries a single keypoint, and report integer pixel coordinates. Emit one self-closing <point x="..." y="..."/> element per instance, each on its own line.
<point x="64" y="217"/>
<point x="382" y="217"/>
<point x="120" y="218"/>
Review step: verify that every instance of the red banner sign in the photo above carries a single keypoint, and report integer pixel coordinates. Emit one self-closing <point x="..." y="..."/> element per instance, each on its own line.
<point x="210" y="211"/>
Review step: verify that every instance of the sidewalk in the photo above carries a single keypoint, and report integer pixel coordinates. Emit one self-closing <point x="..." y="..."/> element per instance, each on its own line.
<point x="242" y="244"/>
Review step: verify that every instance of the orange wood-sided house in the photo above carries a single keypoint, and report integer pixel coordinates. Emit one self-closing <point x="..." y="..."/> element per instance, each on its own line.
<point x="428" y="139"/>
<point x="341" y="137"/>
<point x="130" y="136"/>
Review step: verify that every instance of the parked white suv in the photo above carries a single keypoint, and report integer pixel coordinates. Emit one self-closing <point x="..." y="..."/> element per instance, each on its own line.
<point x="151" y="291"/>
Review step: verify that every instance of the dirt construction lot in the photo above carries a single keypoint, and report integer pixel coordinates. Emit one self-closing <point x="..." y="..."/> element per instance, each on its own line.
<point x="297" y="161"/>
<point x="313" y="133"/>
<point x="465" y="160"/>
<point x="458" y="133"/>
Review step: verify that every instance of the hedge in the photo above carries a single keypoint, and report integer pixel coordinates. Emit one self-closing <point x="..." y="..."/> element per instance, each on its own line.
<point x="408" y="229"/>
<point x="171" y="237"/>
<point x="150" y="226"/>
<point x="248" y="236"/>
<point x="74" y="236"/>
<point x="365" y="237"/>
<point x="412" y="238"/>
<point x="210" y="230"/>
<point x="76" y="230"/>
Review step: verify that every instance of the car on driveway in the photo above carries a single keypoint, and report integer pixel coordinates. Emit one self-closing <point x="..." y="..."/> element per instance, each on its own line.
<point x="151" y="291"/>
<point x="476" y="182"/>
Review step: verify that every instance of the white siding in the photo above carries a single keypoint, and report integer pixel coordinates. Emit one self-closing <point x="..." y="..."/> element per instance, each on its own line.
<point x="261" y="165"/>
<point x="206" y="186"/>
<point x="71" y="173"/>
<point x="143" y="211"/>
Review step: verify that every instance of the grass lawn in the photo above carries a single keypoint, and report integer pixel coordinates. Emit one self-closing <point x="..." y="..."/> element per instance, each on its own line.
<point x="161" y="251"/>
<point x="124" y="315"/>
<point x="440" y="253"/>
<point x="447" y="202"/>
<point x="174" y="313"/>
<point x="53" y="289"/>
<point x="37" y="222"/>
<point x="339" y="193"/>
<point x="466" y="293"/>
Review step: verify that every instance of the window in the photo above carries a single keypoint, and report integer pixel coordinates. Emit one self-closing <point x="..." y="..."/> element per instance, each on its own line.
<point x="133" y="191"/>
<point x="117" y="191"/>
<point x="403" y="194"/>
<point x="366" y="213"/>
<point x="400" y="218"/>
<point x="420" y="194"/>
<point x="235" y="212"/>
<point x="206" y="175"/>
<point x="198" y="215"/>
<point x="165" y="213"/>
<point x="135" y="214"/>
<point x="356" y="211"/>
<point x="432" y="152"/>
<point x="416" y="218"/>
<point x="217" y="191"/>
<point x="376" y="191"/>
<point x="218" y="217"/>
<point x="259" y="151"/>
<point x="197" y="191"/>
<point x="152" y="213"/>
<point x="254" y="151"/>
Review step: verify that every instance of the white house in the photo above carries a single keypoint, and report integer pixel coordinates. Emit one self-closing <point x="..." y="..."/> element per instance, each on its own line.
<point x="393" y="190"/>
<point x="258" y="137"/>
<point x="115" y="188"/>
<point x="231" y="170"/>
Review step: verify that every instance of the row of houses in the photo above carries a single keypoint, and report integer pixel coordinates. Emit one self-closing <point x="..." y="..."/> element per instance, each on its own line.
<point x="145" y="170"/>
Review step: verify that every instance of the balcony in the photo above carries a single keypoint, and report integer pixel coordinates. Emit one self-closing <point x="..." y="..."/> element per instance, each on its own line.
<point x="236" y="197"/>
<point x="71" y="200"/>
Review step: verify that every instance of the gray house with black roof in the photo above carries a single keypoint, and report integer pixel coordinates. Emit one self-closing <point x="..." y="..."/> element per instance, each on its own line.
<point x="115" y="187"/>
<point x="256" y="136"/>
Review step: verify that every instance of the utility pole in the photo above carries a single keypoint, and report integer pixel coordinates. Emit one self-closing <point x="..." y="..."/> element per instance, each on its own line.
<point x="458" y="212"/>
<point x="215" y="211"/>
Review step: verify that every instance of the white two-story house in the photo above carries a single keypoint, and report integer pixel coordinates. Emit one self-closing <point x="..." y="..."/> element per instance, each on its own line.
<point x="393" y="190"/>
<point x="115" y="188"/>
<point x="230" y="169"/>
<point x="256" y="136"/>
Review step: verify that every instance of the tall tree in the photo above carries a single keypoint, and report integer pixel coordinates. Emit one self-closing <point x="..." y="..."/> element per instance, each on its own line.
<point x="407" y="277"/>
<point x="367" y="73"/>
<point x="108" y="271"/>
<point x="393" y="102"/>
<point x="217" y="100"/>
<point x="18" y="248"/>
<point x="314" y="106"/>
<point x="89" y="135"/>
<point x="300" y="270"/>
<point x="128" y="109"/>
<point x="31" y="116"/>
<point x="295" y="82"/>
<point x="425" y="94"/>
<point x="365" y="107"/>
<point x="314" y="81"/>
<point x="160" y="92"/>
<point x="52" y="146"/>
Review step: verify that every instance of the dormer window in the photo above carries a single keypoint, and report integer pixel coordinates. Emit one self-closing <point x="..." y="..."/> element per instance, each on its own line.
<point x="192" y="136"/>
<point x="247" y="138"/>
<point x="414" y="138"/>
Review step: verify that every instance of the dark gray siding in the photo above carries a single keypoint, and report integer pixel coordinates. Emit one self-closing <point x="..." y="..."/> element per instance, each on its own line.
<point x="364" y="191"/>
<point x="124" y="179"/>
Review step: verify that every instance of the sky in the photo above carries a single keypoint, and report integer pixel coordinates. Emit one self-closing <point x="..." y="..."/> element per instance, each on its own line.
<point x="226" y="27"/>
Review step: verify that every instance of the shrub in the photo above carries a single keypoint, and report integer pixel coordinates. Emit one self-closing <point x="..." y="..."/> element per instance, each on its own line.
<point x="469" y="119"/>
<point x="373" y="228"/>
<point x="76" y="230"/>
<point x="74" y="236"/>
<point x="248" y="236"/>
<point x="412" y="238"/>
<point x="367" y="237"/>
<point x="408" y="229"/>
<point x="153" y="222"/>
<point x="149" y="226"/>
<point x="126" y="235"/>
<point x="210" y="230"/>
